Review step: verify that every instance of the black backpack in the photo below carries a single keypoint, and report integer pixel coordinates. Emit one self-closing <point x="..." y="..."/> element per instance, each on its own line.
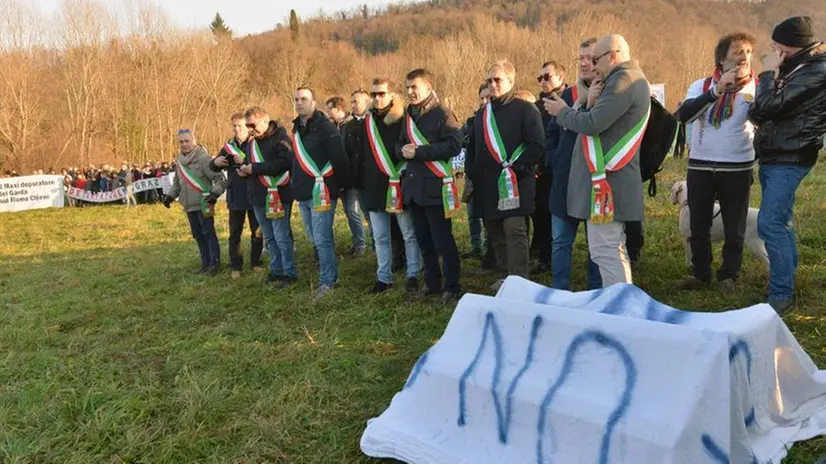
<point x="656" y="143"/>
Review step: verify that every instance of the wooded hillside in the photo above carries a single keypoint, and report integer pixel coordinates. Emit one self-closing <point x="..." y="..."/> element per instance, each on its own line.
<point x="95" y="85"/>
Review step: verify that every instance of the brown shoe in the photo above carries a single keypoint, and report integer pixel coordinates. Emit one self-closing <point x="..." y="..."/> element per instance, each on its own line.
<point x="236" y="275"/>
<point x="691" y="283"/>
<point x="258" y="269"/>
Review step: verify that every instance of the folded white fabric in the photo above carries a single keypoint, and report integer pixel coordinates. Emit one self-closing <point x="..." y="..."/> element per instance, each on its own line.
<point x="610" y="376"/>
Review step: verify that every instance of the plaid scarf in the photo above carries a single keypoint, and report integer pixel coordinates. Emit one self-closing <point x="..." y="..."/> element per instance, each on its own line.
<point x="724" y="106"/>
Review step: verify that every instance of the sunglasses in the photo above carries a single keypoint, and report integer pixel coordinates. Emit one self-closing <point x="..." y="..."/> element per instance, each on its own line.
<point x="544" y="77"/>
<point x="184" y="131"/>
<point x="596" y="59"/>
<point x="491" y="80"/>
<point x="250" y="126"/>
<point x="377" y="94"/>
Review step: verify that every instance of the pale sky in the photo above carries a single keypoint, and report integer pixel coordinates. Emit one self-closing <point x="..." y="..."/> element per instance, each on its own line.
<point x="242" y="16"/>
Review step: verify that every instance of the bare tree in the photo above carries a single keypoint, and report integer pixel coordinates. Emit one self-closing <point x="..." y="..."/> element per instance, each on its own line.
<point x="21" y="73"/>
<point x="85" y="28"/>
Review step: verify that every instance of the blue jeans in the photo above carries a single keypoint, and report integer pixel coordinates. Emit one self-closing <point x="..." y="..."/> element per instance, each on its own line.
<point x="355" y="216"/>
<point x="562" y="247"/>
<point x="203" y="231"/>
<point x="774" y="225"/>
<point x="380" y="223"/>
<point x="319" y="226"/>
<point x="278" y="237"/>
<point x="475" y="224"/>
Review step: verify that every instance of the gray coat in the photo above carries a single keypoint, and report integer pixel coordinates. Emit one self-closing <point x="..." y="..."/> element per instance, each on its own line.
<point x="198" y="163"/>
<point x="625" y="100"/>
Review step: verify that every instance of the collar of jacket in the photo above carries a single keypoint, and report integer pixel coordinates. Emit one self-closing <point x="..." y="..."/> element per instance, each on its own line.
<point x="344" y="121"/>
<point x="557" y="91"/>
<point x="503" y="100"/>
<point x="298" y="125"/>
<point x="624" y="66"/>
<point x="426" y="105"/>
<point x="271" y="128"/>
<point x="392" y="114"/>
<point x="188" y="158"/>
<point x="810" y="53"/>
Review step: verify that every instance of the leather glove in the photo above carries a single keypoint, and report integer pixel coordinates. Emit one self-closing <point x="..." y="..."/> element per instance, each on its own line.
<point x="167" y="201"/>
<point x="212" y="198"/>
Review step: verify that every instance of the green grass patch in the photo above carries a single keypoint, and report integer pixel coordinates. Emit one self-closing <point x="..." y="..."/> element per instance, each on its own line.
<point x="113" y="350"/>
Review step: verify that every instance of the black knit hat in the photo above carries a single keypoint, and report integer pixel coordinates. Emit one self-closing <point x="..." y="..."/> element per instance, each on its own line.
<point x="794" y="32"/>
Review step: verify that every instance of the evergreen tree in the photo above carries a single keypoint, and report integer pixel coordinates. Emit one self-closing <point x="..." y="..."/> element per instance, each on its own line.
<point x="294" y="24"/>
<point x="219" y="28"/>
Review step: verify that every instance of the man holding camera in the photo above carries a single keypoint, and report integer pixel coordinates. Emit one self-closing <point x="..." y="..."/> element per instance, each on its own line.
<point x="721" y="160"/>
<point x="232" y="155"/>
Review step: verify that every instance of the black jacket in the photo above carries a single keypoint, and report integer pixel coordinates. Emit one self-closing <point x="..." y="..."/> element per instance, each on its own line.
<point x="323" y="142"/>
<point x="546" y="118"/>
<point x="519" y="122"/>
<point x="790" y="111"/>
<point x="389" y="124"/>
<point x="439" y="126"/>
<point x="559" y="148"/>
<point x="277" y="150"/>
<point x="540" y="105"/>
<point x="237" y="195"/>
<point x="354" y="136"/>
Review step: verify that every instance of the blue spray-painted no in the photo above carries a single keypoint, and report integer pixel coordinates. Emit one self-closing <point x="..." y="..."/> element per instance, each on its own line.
<point x="630" y="381"/>
<point x="741" y="348"/>
<point x="417" y="369"/>
<point x="714" y="450"/>
<point x="503" y="417"/>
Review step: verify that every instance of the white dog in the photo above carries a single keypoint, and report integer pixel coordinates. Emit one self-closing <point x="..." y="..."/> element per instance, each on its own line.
<point x="679" y="196"/>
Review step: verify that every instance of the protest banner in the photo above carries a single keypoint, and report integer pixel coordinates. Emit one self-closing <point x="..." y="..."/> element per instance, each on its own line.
<point x="118" y="194"/>
<point x="31" y="192"/>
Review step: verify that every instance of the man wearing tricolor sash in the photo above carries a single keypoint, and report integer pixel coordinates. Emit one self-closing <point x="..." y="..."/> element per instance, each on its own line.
<point x="559" y="149"/>
<point x="231" y="156"/>
<point x="721" y="160"/>
<point x="197" y="188"/>
<point x="267" y="165"/>
<point x="507" y="143"/>
<point x="605" y="185"/>
<point x="320" y="170"/>
<point x="431" y="137"/>
<point x="382" y="185"/>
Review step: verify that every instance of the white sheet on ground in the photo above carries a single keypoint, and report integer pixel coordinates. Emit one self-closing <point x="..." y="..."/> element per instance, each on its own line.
<point x="610" y="376"/>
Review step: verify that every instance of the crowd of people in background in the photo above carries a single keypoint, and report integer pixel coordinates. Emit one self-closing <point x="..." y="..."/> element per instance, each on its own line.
<point x="107" y="178"/>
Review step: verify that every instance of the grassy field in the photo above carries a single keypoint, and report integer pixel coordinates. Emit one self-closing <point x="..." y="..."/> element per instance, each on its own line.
<point x="113" y="350"/>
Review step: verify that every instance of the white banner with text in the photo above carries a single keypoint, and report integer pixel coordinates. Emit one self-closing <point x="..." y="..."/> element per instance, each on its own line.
<point x="163" y="183"/>
<point x="31" y="192"/>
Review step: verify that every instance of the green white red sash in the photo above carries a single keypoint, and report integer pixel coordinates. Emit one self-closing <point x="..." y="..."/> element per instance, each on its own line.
<point x="385" y="163"/>
<point x="441" y="169"/>
<point x="508" y="185"/>
<point x="321" y="194"/>
<point x="199" y="185"/>
<point x="600" y="163"/>
<point x="233" y="149"/>
<point x="275" y="208"/>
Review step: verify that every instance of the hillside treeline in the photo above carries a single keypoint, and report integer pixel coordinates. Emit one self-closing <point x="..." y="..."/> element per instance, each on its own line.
<point x="102" y="83"/>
